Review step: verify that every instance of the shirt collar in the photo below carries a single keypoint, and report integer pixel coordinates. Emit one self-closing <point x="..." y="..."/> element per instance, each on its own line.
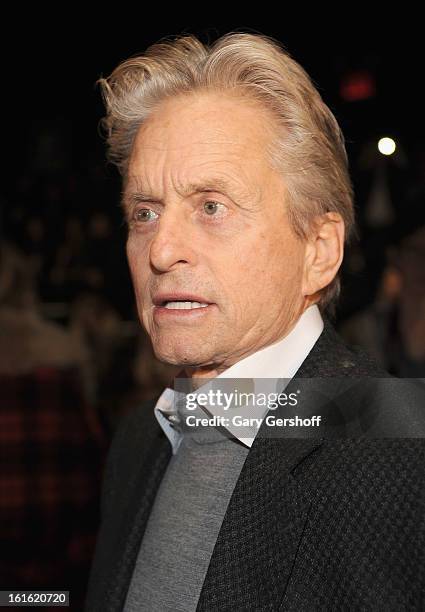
<point x="260" y="372"/>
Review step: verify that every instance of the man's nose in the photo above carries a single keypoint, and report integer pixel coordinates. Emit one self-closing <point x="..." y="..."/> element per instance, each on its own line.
<point x="173" y="243"/>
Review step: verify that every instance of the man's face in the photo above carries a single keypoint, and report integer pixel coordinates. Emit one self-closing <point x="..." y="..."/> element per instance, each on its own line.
<point x="207" y="223"/>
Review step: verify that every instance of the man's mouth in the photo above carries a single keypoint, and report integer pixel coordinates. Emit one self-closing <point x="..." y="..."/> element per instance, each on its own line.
<point x="179" y="301"/>
<point x="184" y="305"/>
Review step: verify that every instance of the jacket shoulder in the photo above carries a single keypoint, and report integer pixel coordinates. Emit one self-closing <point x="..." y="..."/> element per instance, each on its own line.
<point x="331" y="356"/>
<point x="366" y="399"/>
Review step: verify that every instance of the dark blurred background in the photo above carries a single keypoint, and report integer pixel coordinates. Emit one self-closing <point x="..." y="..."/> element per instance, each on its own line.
<point x="73" y="357"/>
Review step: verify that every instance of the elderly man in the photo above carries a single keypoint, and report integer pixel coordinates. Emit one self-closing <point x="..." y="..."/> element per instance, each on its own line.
<point x="238" y="202"/>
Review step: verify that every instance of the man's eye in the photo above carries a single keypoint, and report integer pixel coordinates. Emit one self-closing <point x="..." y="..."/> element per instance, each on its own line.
<point x="144" y="214"/>
<point x="211" y="207"/>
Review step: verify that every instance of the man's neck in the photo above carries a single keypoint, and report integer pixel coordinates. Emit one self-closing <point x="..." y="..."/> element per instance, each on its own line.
<point x="200" y="374"/>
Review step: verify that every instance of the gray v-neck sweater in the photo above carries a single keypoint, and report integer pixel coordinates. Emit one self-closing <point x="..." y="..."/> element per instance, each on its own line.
<point x="184" y="523"/>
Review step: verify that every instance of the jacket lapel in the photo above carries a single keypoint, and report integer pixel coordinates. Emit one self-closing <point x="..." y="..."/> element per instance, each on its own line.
<point x="256" y="549"/>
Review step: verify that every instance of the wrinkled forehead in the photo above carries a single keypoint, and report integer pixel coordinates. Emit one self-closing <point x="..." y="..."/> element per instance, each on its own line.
<point x="137" y="190"/>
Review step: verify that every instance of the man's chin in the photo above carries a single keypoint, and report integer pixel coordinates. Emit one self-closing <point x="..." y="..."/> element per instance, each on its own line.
<point x="183" y="356"/>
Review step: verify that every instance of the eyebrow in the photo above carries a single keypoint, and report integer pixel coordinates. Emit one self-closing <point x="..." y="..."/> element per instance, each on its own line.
<point x="130" y="197"/>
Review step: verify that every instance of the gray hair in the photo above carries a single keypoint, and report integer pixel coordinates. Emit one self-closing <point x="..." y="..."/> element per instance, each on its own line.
<point x="309" y="147"/>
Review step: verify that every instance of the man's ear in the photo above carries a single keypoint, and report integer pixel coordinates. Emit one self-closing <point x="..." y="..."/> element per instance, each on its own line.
<point x="324" y="252"/>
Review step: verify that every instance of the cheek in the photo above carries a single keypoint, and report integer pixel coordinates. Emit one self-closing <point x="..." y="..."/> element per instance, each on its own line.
<point x="278" y="264"/>
<point x="244" y="276"/>
<point x="131" y="253"/>
<point x="137" y="262"/>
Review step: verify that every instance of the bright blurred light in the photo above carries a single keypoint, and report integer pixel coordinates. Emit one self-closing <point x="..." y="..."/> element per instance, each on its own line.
<point x="386" y="146"/>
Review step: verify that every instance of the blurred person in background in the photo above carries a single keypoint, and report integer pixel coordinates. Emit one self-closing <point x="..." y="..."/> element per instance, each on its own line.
<point x="393" y="327"/>
<point x="27" y="339"/>
<point x="410" y="262"/>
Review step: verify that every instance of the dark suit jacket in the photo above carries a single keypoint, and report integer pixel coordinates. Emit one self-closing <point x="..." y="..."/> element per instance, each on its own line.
<point x="326" y="522"/>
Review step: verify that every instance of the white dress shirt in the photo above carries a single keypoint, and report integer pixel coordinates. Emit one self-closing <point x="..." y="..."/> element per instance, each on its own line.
<point x="266" y="371"/>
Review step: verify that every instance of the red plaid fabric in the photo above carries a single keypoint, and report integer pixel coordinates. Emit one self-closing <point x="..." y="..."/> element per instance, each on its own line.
<point x="51" y="457"/>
